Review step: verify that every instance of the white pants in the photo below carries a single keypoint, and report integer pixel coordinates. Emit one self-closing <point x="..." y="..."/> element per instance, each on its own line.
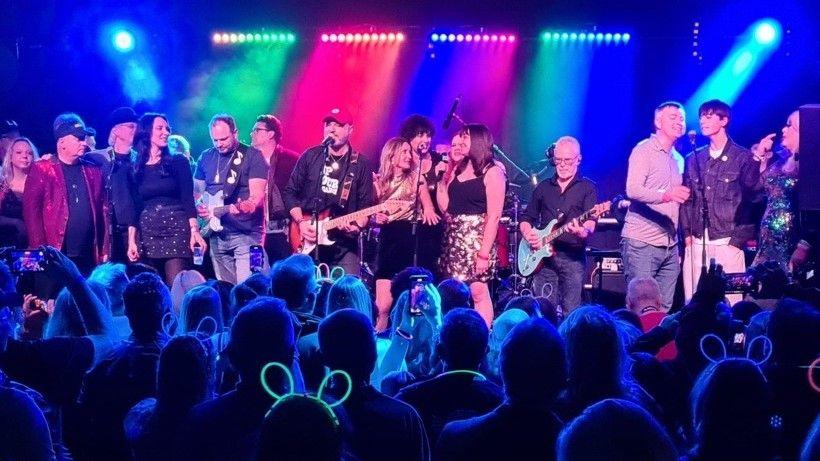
<point x="731" y="258"/>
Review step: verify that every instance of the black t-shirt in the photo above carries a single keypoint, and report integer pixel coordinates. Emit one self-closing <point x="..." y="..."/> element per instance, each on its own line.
<point x="451" y="397"/>
<point x="548" y="203"/>
<point x="79" y="233"/>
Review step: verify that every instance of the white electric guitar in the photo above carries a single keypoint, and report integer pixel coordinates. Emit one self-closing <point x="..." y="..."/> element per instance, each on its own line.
<point x="215" y="203"/>
<point x="529" y="259"/>
<point x="301" y="245"/>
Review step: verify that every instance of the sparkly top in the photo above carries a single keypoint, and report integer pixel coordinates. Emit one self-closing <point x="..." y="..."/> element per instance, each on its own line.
<point x="778" y="227"/>
<point x="400" y="189"/>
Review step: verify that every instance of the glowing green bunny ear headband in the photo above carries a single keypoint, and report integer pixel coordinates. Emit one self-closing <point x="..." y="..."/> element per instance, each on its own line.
<point x="323" y="271"/>
<point x="291" y="394"/>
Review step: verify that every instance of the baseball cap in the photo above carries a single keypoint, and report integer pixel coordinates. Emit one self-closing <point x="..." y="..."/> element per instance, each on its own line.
<point x="71" y="126"/>
<point x="123" y="115"/>
<point x="8" y="126"/>
<point x="339" y="115"/>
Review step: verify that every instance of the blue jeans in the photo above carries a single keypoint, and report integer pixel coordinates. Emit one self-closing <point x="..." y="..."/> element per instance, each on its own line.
<point x="561" y="279"/>
<point x="648" y="261"/>
<point x="230" y="254"/>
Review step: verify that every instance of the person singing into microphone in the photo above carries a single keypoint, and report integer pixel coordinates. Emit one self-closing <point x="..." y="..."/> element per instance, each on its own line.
<point x="654" y="185"/>
<point x="473" y="198"/>
<point x="340" y="181"/>
<point x="726" y="174"/>
<point x="398" y="179"/>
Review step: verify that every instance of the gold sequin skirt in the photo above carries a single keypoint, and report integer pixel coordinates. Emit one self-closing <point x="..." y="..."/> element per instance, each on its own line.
<point x="460" y="245"/>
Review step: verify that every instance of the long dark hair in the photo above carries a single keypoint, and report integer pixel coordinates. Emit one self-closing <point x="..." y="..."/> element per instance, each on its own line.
<point x="481" y="148"/>
<point x="142" y="145"/>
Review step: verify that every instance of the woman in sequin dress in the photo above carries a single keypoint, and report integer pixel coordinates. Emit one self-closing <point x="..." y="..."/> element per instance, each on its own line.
<point x="472" y="196"/>
<point x="778" y="233"/>
<point x="165" y="188"/>
<point x="396" y="180"/>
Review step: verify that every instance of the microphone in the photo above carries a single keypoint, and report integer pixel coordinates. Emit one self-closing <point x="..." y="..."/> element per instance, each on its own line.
<point x="451" y="114"/>
<point x="692" y="137"/>
<point x="328" y="141"/>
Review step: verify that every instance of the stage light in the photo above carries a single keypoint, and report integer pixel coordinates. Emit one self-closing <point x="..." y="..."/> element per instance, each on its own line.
<point x="573" y="36"/>
<point x="451" y="38"/>
<point x="374" y="37"/>
<point x="257" y="37"/>
<point x="731" y="77"/>
<point x="248" y="37"/>
<point x="485" y="38"/>
<point x="391" y="37"/>
<point x="494" y="38"/>
<point x="626" y="37"/>
<point x="333" y="38"/>
<point x="234" y="38"/>
<point x="400" y="37"/>
<point x="434" y="37"/>
<point x="225" y="38"/>
<point x="766" y="31"/>
<point x="582" y="36"/>
<point x="217" y="38"/>
<point x="325" y="37"/>
<point x="503" y="38"/>
<point x="241" y="38"/>
<point x="599" y="37"/>
<point x="476" y="37"/>
<point x="460" y="37"/>
<point x="564" y="36"/>
<point x="468" y="38"/>
<point x="608" y="38"/>
<point x="266" y="37"/>
<point x="617" y="37"/>
<point x="123" y="41"/>
<point x="357" y="38"/>
<point x="366" y="38"/>
<point x="382" y="37"/>
<point x="511" y="38"/>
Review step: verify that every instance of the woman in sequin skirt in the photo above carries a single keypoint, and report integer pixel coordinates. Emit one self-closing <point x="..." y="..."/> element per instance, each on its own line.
<point x="165" y="189"/>
<point x="778" y="233"/>
<point x="396" y="180"/>
<point x="471" y="194"/>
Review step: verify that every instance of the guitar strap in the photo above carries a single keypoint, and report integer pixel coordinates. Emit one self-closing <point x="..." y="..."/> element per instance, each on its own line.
<point x="348" y="179"/>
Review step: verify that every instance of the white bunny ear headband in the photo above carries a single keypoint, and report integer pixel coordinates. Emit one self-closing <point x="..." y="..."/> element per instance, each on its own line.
<point x="765" y="353"/>
<point x="170" y="320"/>
<point x="291" y="394"/>
<point x="323" y="271"/>
<point x="763" y="357"/>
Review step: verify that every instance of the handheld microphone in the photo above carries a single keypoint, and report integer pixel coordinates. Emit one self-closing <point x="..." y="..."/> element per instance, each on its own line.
<point x="328" y="141"/>
<point x="451" y="114"/>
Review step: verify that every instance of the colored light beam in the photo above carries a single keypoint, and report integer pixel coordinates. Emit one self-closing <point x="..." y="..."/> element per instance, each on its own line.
<point x="124" y="45"/>
<point x="750" y="52"/>
<point x="482" y="72"/>
<point x="361" y="77"/>
<point x="245" y="85"/>
<point x="552" y="97"/>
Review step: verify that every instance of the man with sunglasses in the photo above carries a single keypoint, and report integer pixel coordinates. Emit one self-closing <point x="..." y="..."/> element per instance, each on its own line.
<point x="565" y="196"/>
<point x="63" y="203"/>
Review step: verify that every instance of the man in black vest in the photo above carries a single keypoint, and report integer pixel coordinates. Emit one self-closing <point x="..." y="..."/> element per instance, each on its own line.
<point x="334" y="178"/>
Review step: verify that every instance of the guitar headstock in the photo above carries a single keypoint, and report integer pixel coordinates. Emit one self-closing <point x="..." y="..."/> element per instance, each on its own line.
<point x="600" y="209"/>
<point x="395" y="206"/>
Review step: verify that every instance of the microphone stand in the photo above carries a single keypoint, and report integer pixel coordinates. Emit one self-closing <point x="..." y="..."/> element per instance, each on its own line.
<point x="317" y="201"/>
<point x="704" y="209"/>
<point x="414" y="220"/>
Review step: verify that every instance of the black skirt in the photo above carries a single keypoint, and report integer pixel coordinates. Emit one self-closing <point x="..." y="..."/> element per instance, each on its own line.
<point x="164" y="232"/>
<point x="395" y="249"/>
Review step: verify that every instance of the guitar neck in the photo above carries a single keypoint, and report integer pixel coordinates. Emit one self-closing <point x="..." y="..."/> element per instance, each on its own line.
<point x="363" y="213"/>
<point x="563" y="229"/>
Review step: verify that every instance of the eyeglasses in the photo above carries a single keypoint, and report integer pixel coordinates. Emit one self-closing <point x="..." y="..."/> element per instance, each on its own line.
<point x="259" y="129"/>
<point x="565" y="161"/>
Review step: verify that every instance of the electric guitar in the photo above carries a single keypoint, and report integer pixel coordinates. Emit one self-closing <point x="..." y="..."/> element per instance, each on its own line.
<point x="216" y="208"/>
<point x="529" y="258"/>
<point x="302" y="245"/>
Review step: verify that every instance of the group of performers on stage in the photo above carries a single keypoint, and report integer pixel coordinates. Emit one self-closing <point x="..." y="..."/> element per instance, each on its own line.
<point x="138" y="201"/>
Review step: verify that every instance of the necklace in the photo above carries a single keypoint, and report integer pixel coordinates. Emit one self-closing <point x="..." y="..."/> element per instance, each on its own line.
<point x="217" y="178"/>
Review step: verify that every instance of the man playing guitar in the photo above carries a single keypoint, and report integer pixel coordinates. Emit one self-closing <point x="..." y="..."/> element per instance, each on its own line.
<point x="565" y="196"/>
<point x="333" y="179"/>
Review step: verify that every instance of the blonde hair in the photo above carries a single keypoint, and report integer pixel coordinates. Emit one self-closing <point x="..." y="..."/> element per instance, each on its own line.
<point x="386" y="172"/>
<point x="7" y="173"/>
